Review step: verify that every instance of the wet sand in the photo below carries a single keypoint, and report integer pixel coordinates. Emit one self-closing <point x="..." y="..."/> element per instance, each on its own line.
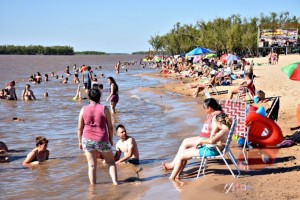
<point x="271" y="173"/>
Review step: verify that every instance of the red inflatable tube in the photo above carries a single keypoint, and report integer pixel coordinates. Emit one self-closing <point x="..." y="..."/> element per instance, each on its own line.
<point x="259" y="124"/>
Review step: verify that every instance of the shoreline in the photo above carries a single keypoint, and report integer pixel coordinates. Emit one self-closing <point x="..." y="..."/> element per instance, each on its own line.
<point x="285" y="170"/>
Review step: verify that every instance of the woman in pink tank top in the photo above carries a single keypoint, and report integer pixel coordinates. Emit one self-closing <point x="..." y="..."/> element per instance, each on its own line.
<point x="95" y="134"/>
<point x="212" y="108"/>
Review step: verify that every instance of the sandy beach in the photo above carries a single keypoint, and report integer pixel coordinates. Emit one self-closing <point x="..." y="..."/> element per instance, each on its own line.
<point x="280" y="180"/>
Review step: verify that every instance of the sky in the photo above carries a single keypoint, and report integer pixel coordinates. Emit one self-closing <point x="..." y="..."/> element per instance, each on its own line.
<point x="117" y="26"/>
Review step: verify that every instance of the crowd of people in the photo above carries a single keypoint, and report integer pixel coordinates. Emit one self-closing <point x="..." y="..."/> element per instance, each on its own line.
<point x="95" y="128"/>
<point x="206" y="73"/>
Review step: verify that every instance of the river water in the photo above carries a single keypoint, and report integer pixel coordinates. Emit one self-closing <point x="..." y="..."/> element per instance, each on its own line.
<point x="158" y="121"/>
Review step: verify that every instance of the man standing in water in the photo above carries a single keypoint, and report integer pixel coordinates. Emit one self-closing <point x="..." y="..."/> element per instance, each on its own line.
<point x="87" y="79"/>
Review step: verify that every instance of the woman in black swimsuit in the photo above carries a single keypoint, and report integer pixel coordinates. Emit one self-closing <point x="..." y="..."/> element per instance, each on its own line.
<point x="39" y="153"/>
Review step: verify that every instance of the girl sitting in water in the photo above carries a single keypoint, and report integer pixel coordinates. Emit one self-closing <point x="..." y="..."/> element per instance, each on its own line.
<point x="39" y="153"/>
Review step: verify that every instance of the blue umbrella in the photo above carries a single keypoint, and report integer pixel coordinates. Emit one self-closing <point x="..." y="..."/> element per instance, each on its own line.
<point x="199" y="51"/>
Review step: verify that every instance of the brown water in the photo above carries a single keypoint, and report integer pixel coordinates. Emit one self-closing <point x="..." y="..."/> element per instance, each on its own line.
<point x="158" y="122"/>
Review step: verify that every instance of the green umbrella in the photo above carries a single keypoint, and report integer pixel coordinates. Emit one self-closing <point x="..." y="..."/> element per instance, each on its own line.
<point x="210" y="55"/>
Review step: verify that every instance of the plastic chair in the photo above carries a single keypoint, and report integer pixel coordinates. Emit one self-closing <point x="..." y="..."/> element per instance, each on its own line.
<point x="226" y="151"/>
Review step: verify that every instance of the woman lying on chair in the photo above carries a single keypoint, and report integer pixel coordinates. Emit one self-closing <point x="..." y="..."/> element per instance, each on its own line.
<point x="223" y="123"/>
<point x="209" y="83"/>
<point x="247" y="84"/>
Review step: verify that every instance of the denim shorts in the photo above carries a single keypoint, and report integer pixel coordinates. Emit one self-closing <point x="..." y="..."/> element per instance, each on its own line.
<point x="90" y="145"/>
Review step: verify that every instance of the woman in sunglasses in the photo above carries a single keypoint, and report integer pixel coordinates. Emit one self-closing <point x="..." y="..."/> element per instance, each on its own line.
<point x="212" y="108"/>
<point x="222" y="124"/>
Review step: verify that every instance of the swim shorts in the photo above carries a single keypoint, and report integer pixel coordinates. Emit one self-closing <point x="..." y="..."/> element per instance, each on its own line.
<point x="209" y="152"/>
<point x="133" y="161"/>
<point x="114" y="98"/>
<point x="90" y="145"/>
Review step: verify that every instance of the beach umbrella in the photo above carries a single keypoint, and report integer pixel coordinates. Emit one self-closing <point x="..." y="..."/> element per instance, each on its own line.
<point x="211" y="55"/>
<point x="199" y="51"/>
<point x="223" y="58"/>
<point x="231" y="57"/>
<point x="293" y="71"/>
<point x="157" y="59"/>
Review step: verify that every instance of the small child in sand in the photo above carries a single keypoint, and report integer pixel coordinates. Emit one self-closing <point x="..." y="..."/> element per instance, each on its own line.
<point x="126" y="145"/>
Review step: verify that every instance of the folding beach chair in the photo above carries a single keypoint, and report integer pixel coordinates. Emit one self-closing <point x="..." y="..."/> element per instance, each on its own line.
<point x="245" y="91"/>
<point x="226" y="151"/>
<point x="274" y="109"/>
<point x="213" y="88"/>
<point x="212" y="85"/>
<point x="235" y="108"/>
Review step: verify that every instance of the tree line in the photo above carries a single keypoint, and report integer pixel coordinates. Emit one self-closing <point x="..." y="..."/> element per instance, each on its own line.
<point x="232" y="34"/>
<point x="36" y="50"/>
<point x="90" y="53"/>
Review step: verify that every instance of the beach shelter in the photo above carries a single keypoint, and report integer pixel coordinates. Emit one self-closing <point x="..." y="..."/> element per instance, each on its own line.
<point x="199" y="51"/>
<point x="293" y="71"/>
